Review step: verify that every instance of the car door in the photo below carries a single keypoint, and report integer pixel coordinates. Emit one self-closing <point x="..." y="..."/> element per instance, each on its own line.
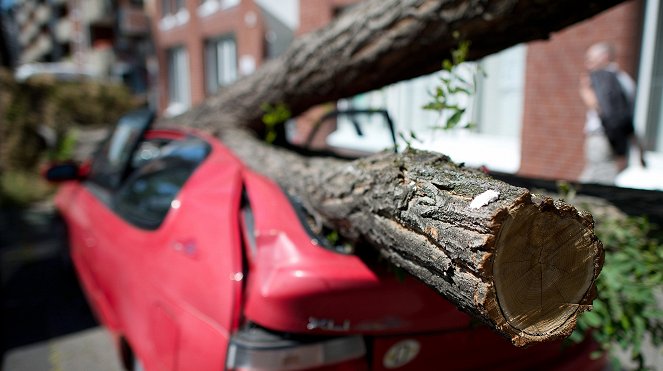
<point x="149" y="318"/>
<point x="166" y="276"/>
<point x="176" y="271"/>
<point x="88" y="210"/>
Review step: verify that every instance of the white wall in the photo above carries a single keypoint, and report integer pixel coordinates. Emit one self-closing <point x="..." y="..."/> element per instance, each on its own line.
<point x="648" y="121"/>
<point x="497" y="107"/>
<point x="286" y="10"/>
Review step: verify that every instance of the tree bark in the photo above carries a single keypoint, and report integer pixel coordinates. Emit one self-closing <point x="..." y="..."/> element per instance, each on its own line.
<point x="523" y="264"/>
<point x="382" y="42"/>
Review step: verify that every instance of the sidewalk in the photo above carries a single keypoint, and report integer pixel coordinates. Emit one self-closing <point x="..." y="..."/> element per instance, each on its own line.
<point x="39" y="294"/>
<point x="90" y="349"/>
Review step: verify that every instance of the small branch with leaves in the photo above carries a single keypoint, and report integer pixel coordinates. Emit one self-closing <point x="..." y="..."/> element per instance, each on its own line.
<point x="454" y="86"/>
<point x="273" y="116"/>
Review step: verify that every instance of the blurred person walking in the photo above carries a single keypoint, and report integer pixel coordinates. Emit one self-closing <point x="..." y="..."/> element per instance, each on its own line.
<point x="609" y="96"/>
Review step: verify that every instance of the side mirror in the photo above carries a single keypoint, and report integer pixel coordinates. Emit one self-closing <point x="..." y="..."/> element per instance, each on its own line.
<point x="64" y="172"/>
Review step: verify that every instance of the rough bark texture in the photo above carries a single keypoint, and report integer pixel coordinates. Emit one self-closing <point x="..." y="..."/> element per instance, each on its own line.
<point x="524" y="265"/>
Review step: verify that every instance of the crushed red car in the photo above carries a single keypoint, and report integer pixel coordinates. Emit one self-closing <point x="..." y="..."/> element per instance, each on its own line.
<point x="195" y="262"/>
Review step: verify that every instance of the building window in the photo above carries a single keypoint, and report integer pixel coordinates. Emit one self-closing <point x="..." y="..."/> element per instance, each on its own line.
<point x="224" y="4"/>
<point x="220" y="63"/>
<point x="173" y="14"/>
<point x="179" y="90"/>
<point x="648" y="105"/>
<point x="171" y="7"/>
<point x="207" y="7"/>
<point x="651" y="83"/>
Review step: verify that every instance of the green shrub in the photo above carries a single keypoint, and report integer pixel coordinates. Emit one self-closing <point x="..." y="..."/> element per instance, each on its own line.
<point x="88" y="103"/>
<point x="626" y="307"/>
<point x="27" y="107"/>
<point x="20" y="188"/>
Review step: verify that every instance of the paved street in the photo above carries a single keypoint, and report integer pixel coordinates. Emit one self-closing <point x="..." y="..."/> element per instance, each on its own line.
<point x="46" y="323"/>
<point x="90" y="349"/>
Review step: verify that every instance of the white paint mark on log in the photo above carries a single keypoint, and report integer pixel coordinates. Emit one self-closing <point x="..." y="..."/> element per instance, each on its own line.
<point x="484" y="199"/>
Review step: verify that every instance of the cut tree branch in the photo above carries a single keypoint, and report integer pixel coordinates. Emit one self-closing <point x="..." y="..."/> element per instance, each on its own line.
<point x="525" y="265"/>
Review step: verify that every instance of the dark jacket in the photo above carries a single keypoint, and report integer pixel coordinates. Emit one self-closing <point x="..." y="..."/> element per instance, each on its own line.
<point x="615" y="109"/>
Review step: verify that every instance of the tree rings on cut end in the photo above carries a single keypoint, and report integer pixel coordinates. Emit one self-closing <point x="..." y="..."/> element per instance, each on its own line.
<point x="544" y="266"/>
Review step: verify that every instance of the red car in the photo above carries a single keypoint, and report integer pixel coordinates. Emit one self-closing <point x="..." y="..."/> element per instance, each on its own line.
<point x="195" y="262"/>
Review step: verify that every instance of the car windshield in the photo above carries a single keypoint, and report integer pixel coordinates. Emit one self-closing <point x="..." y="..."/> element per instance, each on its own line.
<point x="349" y="133"/>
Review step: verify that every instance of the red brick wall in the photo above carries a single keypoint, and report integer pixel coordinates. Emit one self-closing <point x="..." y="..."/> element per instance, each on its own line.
<point x="314" y="14"/>
<point x="554" y="115"/>
<point x="192" y="35"/>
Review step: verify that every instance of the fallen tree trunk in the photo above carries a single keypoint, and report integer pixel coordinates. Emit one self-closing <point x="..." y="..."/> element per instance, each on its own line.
<point x="522" y="264"/>
<point x="525" y="265"/>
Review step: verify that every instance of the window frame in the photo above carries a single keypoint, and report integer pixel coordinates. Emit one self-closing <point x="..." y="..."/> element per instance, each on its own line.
<point x="214" y="52"/>
<point x="174" y="13"/>
<point x="153" y="219"/>
<point x="151" y="170"/>
<point x="140" y="121"/>
<point x="178" y="80"/>
<point x="172" y="7"/>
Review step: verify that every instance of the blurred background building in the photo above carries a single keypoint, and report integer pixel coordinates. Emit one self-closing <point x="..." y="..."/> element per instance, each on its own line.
<point x="204" y="45"/>
<point x="101" y="39"/>
<point x="528" y="114"/>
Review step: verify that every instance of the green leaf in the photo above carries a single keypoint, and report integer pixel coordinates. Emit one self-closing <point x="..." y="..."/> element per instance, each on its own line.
<point x="270" y="137"/>
<point x="625" y="322"/>
<point x="596" y="354"/>
<point x="455" y="119"/>
<point x="577" y="336"/>
<point x="593" y="319"/>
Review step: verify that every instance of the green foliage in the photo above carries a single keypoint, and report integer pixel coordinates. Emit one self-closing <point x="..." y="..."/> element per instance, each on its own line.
<point x="453" y="85"/>
<point x="409" y="139"/>
<point x="333" y="237"/>
<point x="30" y="106"/>
<point x="65" y="148"/>
<point x="104" y="103"/>
<point x="626" y="306"/>
<point x="566" y="190"/>
<point x="44" y="102"/>
<point x="273" y="116"/>
<point x="21" y="188"/>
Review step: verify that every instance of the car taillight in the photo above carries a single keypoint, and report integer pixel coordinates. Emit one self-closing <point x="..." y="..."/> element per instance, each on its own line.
<point x="254" y="349"/>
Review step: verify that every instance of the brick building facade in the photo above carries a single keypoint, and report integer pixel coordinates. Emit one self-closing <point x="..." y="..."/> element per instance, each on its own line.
<point x="554" y="115"/>
<point x="203" y="45"/>
<point x="529" y="114"/>
<point x="314" y="14"/>
<point x="102" y="39"/>
<point x="550" y="131"/>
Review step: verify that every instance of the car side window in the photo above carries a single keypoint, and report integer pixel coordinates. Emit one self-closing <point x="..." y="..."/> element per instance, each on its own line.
<point x="110" y="163"/>
<point x="146" y="197"/>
